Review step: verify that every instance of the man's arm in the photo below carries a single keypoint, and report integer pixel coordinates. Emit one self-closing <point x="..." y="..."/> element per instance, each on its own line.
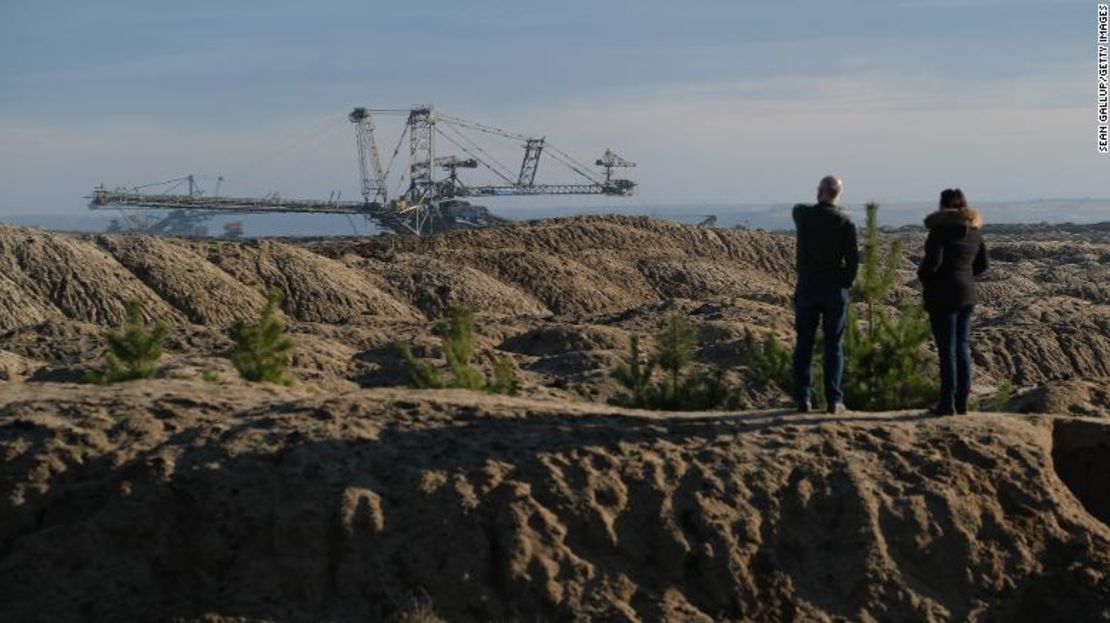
<point x="851" y="254"/>
<point x="934" y="257"/>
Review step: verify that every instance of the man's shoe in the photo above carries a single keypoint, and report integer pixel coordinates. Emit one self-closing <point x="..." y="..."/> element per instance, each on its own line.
<point x="942" y="410"/>
<point x="837" y="408"/>
<point x="805" y="407"/>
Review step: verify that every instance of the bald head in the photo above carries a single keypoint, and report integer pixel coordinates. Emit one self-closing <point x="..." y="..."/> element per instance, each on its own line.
<point x="829" y="189"/>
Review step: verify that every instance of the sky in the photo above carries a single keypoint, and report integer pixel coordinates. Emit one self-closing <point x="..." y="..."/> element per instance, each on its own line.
<point x="717" y="101"/>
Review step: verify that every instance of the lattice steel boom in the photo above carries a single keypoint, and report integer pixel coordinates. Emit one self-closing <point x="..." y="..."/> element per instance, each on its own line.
<point x="429" y="204"/>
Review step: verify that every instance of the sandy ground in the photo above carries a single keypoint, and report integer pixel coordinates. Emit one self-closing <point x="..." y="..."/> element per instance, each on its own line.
<point x="166" y="500"/>
<point x="559" y="297"/>
<point x="346" y="498"/>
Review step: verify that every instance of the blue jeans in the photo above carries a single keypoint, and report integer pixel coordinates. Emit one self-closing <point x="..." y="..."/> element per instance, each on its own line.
<point x="826" y="304"/>
<point x="950" y="330"/>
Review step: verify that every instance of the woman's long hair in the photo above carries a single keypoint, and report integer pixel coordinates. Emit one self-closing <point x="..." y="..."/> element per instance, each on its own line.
<point x="952" y="199"/>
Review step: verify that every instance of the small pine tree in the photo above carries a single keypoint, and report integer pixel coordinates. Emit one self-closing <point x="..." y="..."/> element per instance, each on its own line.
<point x="457" y="333"/>
<point x="680" y="390"/>
<point x="458" y="348"/>
<point x="134" y="353"/>
<point x="421" y="374"/>
<point x="999" y="400"/>
<point x="769" y="362"/>
<point x="701" y="391"/>
<point x="503" y="379"/>
<point x="886" y="366"/>
<point x="262" y="352"/>
<point x="676" y="345"/>
<point x="635" y="374"/>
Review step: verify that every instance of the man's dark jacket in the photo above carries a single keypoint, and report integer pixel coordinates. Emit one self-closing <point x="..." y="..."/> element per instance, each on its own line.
<point x="954" y="255"/>
<point x="827" y="251"/>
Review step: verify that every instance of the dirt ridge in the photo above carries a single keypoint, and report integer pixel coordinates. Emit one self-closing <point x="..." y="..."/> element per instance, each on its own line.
<point x="167" y="499"/>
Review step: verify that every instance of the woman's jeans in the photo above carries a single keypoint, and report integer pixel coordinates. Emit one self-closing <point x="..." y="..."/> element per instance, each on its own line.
<point x="950" y="330"/>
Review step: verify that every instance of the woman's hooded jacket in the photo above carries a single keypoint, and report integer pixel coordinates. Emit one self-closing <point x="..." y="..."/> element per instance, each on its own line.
<point x="954" y="255"/>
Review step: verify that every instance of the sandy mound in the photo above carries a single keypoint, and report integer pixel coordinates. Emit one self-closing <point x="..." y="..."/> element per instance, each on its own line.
<point x="20" y="307"/>
<point x="61" y="342"/>
<point x="75" y="277"/>
<point x="14" y="367"/>
<point x="706" y="280"/>
<point x="433" y="285"/>
<point x="314" y="288"/>
<point x="1046" y="339"/>
<point x="1085" y="397"/>
<point x="560" y="339"/>
<point x="564" y="285"/>
<point x="626" y="236"/>
<point x="186" y="279"/>
<point x="166" y="500"/>
<point x="593" y="264"/>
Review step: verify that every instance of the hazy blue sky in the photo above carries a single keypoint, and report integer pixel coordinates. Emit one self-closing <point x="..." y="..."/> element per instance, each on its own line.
<point x="718" y="101"/>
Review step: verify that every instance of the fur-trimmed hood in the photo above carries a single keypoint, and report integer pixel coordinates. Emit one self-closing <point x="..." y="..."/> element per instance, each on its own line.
<point x="961" y="217"/>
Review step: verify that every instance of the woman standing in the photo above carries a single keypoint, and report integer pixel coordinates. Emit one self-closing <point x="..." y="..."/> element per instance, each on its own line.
<point x="954" y="255"/>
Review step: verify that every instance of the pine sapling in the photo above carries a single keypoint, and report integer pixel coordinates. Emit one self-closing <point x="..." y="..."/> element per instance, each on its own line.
<point x="421" y="374"/>
<point x="134" y="353"/>
<point x="682" y="388"/>
<point x="458" y="348"/>
<point x="769" y="362"/>
<point x="262" y="352"/>
<point x="504" y="379"/>
<point x="676" y="345"/>
<point x="635" y="375"/>
<point x="457" y="333"/>
<point x="885" y="362"/>
<point x="1000" y="399"/>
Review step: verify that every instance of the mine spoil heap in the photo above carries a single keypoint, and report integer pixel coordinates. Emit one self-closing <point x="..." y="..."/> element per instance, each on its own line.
<point x="342" y="498"/>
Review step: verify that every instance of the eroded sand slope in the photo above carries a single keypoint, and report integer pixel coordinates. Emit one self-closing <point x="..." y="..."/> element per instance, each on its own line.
<point x="164" y="499"/>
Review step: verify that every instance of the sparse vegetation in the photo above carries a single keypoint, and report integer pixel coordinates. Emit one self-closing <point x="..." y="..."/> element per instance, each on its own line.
<point x="680" y="389"/>
<point x="997" y="401"/>
<point x="635" y="374"/>
<point x="768" y="361"/>
<point x="134" y="353"/>
<point x="504" y="379"/>
<point x="421" y="374"/>
<point x="886" y="365"/>
<point x="457" y="335"/>
<point x="209" y="375"/>
<point x="262" y="352"/>
<point x="770" y="364"/>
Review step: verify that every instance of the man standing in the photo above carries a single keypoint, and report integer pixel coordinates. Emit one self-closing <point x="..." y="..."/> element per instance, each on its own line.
<point x="828" y="259"/>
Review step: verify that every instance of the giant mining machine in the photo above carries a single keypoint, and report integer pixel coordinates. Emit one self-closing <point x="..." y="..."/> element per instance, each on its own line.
<point x="430" y="192"/>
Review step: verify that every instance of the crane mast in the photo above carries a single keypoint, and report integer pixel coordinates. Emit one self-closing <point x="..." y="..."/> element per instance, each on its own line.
<point x="422" y="155"/>
<point x="533" y="147"/>
<point x="374" y="189"/>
